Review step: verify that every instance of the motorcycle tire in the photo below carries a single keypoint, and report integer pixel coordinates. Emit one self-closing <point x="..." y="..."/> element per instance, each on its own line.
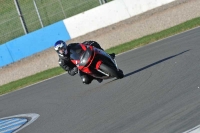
<point x="111" y="71"/>
<point x="120" y="74"/>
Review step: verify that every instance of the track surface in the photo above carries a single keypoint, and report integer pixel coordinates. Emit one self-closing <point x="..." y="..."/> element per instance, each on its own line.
<point x="159" y="94"/>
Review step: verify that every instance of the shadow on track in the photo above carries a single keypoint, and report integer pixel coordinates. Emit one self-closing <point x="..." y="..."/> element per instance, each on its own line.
<point x="153" y="64"/>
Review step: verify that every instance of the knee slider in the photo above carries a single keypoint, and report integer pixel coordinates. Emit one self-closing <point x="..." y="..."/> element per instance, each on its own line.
<point x="85" y="80"/>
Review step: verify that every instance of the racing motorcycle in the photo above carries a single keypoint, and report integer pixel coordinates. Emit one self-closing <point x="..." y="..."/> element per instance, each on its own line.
<point x="95" y="62"/>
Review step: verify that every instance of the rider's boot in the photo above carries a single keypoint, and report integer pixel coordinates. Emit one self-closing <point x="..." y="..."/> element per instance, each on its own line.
<point x="112" y="55"/>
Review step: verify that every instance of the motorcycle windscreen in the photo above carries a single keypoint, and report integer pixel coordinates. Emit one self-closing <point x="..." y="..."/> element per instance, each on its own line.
<point x="75" y="52"/>
<point x="85" y="58"/>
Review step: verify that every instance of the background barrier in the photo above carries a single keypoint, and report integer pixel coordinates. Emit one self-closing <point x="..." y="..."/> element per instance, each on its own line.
<point x="19" y="17"/>
<point x="72" y="27"/>
<point x="110" y="13"/>
<point x="32" y="43"/>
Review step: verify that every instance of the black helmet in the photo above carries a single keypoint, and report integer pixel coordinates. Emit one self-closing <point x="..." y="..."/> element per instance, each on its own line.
<point x="60" y="47"/>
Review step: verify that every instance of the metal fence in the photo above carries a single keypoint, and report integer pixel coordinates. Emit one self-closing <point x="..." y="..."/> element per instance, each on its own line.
<point x="19" y="17"/>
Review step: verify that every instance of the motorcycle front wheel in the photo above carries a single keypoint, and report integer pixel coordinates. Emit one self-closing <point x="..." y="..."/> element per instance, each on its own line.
<point x="112" y="71"/>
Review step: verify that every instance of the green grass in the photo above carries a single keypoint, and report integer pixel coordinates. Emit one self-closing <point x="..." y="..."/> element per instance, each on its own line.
<point x="30" y="80"/>
<point x="118" y="49"/>
<point x="156" y="36"/>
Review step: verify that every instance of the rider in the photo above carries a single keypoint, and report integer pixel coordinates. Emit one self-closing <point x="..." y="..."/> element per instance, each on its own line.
<point x="64" y="59"/>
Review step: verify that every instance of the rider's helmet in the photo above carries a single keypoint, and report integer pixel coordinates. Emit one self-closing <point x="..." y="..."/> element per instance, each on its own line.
<point x="61" y="47"/>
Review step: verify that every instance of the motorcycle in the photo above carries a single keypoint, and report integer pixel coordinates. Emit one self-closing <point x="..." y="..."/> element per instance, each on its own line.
<point x="95" y="62"/>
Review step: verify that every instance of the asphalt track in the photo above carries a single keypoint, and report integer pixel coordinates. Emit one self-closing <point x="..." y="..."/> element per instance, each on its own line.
<point x="160" y="93"/>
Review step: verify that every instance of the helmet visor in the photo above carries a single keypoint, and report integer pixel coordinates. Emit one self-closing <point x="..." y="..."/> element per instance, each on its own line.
<point x="61" y="50"/>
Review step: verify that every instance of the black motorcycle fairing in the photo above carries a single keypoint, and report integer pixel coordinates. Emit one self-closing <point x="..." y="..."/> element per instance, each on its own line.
<point x="102" y="55"/>
<point x="85" y="57"/>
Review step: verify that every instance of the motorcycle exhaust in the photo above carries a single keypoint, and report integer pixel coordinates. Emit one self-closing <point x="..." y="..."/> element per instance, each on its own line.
<point x="103" y="72"/>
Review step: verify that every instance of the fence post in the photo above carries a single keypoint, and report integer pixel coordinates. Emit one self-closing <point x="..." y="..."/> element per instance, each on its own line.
<point x="102" y="2"/>
<point x="21" y="17"/>
<point x="62" y="8"/>
<point x="35" y="5"/>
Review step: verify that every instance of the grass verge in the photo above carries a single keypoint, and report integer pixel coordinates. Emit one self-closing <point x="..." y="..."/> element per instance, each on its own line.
<point x="30" y="80"/>
<point x="118" y="49"/>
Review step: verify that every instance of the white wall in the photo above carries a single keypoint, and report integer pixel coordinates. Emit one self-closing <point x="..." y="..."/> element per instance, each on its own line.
<point x="108" y="14"/>
<point x="136" y="7"/>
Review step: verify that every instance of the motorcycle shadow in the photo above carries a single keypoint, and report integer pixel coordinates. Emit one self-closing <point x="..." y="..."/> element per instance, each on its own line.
<point x="155" y="63"/>
<point x="110" y="81"/>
